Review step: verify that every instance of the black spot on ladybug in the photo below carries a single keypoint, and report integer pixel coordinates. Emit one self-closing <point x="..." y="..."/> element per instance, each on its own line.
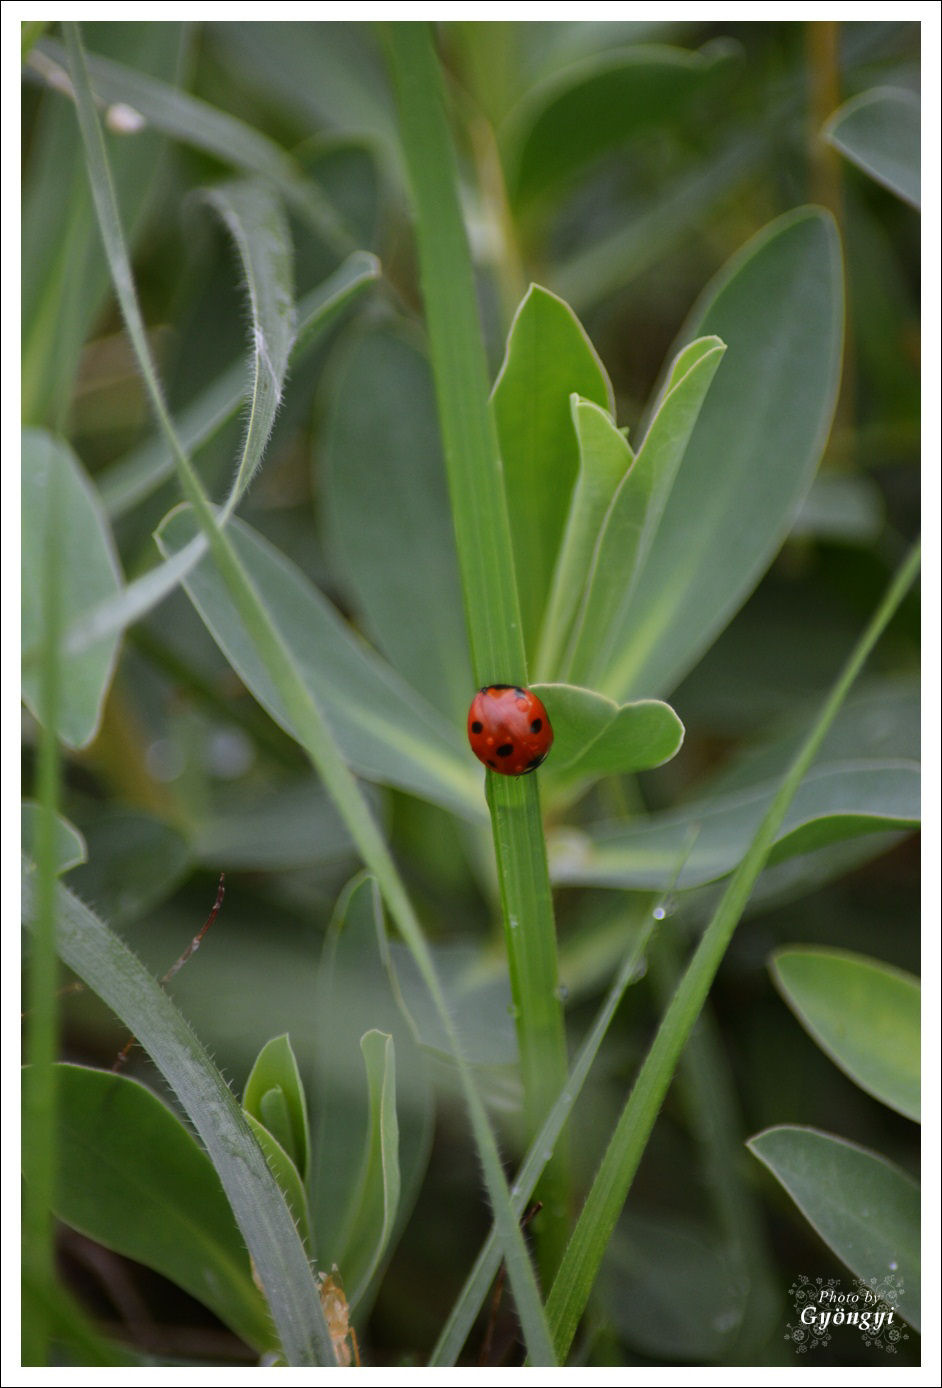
<point x="536" y="725"/>
<point x="477" y="727"/>
<point x="505" y="749"/>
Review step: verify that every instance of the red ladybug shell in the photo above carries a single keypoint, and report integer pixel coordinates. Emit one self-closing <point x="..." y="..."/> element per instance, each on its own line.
<point x="508" y="729"/>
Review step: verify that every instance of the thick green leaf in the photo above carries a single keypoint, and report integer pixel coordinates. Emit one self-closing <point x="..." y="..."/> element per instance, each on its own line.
<point x="833" y="802"/>
<point x="548" y="359"/>
<point x="879" y="132"/>
<point x="566" y="123"/>
<point x="865" y="1209"/>
<point x="388" y="519"/>
<point x="89" y="574"/>
<point x="385" y="729"/>
<point x="286" y="1174"/>
<point x="862" y="1013"/>
<point x="70" y="846"/>
<point x="103" y="962"/>
<point x="274" y="1095"/>
<point x="604" y="458"/>
<point x="134" y="1179"/>
<point x="779" y="308"/>
<point x="372" y="1213"/>
<point x="603" y="631"/>
<point x="592" y="735"/>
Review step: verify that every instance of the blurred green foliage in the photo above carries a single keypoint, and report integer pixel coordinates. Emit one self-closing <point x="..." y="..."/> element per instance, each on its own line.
<point x="621" y="167"/>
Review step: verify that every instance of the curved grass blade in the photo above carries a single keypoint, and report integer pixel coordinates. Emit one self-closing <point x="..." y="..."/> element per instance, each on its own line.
<point x="259" y="230"/>
<point x="286" y="1174"/>
<point x="109" y="968"/>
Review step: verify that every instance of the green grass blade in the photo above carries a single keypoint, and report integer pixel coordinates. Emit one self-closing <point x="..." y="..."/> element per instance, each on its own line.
<point x="863" y="1014"/>
<point x="573" y="1286"/>
<point x="105" y="964"/>
<point x="286" y="1174"/>
<point x="306" y="717"/>
<point x="486" y="562"/>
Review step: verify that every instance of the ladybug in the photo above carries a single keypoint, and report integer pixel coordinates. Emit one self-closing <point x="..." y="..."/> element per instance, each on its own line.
<point x="508" y="729"/>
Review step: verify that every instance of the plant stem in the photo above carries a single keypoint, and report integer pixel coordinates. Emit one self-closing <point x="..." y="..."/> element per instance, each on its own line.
<point x="485" y="556"/>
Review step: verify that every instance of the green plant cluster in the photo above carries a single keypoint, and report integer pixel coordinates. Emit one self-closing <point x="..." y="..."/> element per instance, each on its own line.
<point x="364" y="366"/>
